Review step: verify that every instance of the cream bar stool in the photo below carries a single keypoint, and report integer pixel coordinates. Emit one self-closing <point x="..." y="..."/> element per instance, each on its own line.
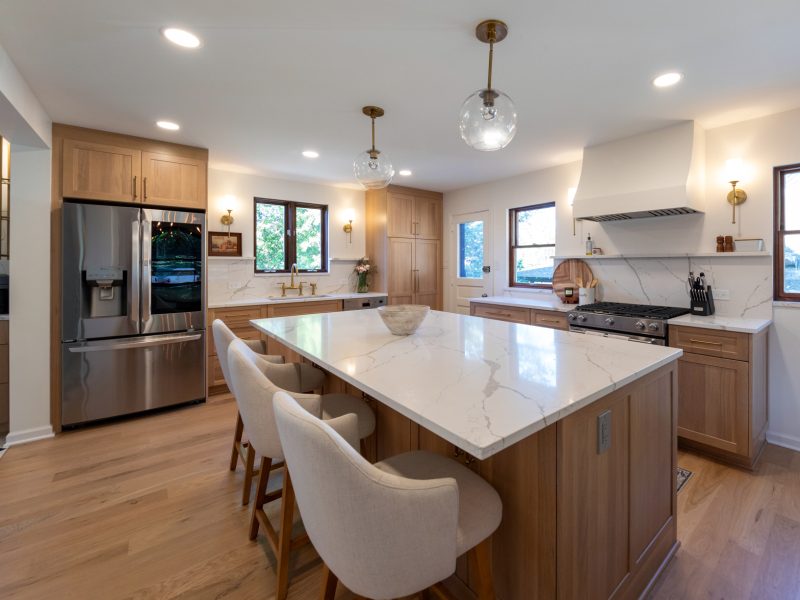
<point x="254" y="385"/>
<point x="306" y="378"/>
<point x="391" y="529"/>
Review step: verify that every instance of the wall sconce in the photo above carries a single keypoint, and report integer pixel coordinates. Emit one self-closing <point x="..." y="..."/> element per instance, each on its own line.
<point x="571" y="199"/>
<point x="734" y="169"/>
<point x="348" y="227"/>
<point x="227" y="220"/>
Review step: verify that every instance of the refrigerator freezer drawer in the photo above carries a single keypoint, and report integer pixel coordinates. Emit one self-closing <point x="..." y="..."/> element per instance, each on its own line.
<point x="109" y="378"/>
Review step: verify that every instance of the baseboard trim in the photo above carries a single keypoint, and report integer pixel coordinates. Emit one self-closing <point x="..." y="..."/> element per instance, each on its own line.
<point x="29" y="435"/>
<point x="781" y="439"/>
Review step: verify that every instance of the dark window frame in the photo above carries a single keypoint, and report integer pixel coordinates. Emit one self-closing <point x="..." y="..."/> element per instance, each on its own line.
<point x="289" y="239"/>
<point x="780" y="233"/>
<point x="512" y="245"/>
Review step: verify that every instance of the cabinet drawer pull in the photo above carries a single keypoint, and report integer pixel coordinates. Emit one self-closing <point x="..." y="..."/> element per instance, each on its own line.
<point x="554" y="321"/>
<point x="498" y="314"/>
<point x="144" y="188"/>
<point x="134" y="187"/>
<point x="705" y="342"/>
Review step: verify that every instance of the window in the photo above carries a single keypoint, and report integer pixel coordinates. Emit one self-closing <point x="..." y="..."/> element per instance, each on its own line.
<point x="288" y="233"/>
<point x="787" y="232"/>
<point x="532" y="236"/>
<point x="470" y="250"/>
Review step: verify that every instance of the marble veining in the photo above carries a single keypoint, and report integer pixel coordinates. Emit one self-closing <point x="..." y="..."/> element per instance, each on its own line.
<point x="481" y="384"/>
<point x="722" y="323"/>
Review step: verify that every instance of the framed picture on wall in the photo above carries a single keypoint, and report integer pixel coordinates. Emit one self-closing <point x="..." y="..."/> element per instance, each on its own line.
<point x="222" y="243"/>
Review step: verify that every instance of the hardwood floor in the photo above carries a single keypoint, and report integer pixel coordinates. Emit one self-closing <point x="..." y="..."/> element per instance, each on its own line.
<point x="147" y="508"/>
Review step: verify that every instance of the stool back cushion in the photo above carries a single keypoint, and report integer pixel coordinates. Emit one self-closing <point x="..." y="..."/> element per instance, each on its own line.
<point x="384" y="536"/>
<point x="223" y="337"/>
<point x="254" y="393"/>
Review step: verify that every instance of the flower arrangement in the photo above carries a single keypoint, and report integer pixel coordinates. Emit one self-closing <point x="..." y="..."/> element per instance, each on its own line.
<point x="362" y="270"/>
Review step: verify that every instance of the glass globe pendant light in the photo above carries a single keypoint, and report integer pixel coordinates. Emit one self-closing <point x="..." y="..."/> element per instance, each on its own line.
<point x="488" y="118"/>
<point x="373" y="169"/>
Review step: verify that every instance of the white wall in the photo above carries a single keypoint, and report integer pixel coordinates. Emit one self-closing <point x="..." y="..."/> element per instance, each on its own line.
<point x="30" y="295"/>
<point x="233" y="280"/>
<point x="22" y="117"/>
<point x="549" y="185"/>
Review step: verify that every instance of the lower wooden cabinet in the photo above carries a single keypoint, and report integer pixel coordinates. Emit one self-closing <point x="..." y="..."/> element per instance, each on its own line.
<point x="4" y="396"/>
<point x="552" y="319"/>
<point x="238" y="319"/>
<point x="723" y="392"/>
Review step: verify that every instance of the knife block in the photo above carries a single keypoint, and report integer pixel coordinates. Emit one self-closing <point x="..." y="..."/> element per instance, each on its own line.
<point x="702" y="301"/>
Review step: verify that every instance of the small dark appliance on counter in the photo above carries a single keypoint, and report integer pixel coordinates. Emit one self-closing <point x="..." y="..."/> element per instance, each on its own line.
<point x="701" y="296"/>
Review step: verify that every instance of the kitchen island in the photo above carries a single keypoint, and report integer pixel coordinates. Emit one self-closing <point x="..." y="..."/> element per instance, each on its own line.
<point x="577" y="433"/>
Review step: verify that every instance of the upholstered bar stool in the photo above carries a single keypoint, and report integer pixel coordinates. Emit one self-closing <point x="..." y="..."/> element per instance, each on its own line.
<point x="254" y="385"/>
<point x="301" y="378"/>
<point x="391" y="529"/>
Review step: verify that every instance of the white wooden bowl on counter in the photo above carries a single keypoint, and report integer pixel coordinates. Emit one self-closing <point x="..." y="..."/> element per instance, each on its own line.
<point x="403" y="319"/>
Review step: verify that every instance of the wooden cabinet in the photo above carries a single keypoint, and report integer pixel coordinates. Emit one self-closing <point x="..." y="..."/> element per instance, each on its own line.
<point x="552" y="319"/>
<point x="238" y="319"/>
<point x="4" y="396"/>
<point x="94" y="171"/>
<point x="723" y="392"/>
<point x="170" y="180"/>
<point x="98" y="165"/>
<point x="404" y="233"/>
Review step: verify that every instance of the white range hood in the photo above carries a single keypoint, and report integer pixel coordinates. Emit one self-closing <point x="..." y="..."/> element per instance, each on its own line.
<point x="655" y="174"/>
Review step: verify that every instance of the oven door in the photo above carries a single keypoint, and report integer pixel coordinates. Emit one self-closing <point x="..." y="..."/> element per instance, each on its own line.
<point x="642" y="339"/>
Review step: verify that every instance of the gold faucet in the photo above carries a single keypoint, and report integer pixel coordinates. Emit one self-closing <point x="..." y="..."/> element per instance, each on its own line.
<point x="292" y="272"/>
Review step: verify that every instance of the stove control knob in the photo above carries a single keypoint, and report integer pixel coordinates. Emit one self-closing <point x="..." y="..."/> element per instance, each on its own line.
<point x="582" y="318"/>
<point x="572" y="316"/>
<point x="653" y="326"/>
<point x="639" y="325"/>
<point x="609" y="320"/>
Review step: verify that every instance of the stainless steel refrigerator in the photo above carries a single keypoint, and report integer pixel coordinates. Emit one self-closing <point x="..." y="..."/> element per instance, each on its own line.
<point x="132" y="310"/>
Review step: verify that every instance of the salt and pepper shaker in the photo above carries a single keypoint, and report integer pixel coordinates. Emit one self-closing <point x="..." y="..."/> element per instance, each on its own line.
<point x="720" y="243"/>
<point x="728" y="243"/>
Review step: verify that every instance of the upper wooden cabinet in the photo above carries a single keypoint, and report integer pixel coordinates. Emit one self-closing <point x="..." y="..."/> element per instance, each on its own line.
<point x="101" y="172"/>
<point x="404" y="232"/>
<point x="98" y="165"/>
<point x="173" y="180"/>
<point x="413" y="214"/>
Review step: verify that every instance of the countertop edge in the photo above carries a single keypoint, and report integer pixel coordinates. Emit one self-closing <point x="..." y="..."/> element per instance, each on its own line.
<point x="524" y="303"/>
<point x="760" y="324"/>
<point x="321" y="298"/>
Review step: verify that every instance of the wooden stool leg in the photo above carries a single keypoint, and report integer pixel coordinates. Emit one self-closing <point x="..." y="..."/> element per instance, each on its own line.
<point x="237" y="439"/>
<point x="480" y="562"/>
<point x="285" y="536"/>
<point x="248" y="474"/>
<point x="329" y="582"/>
<point x="261" y="493"/>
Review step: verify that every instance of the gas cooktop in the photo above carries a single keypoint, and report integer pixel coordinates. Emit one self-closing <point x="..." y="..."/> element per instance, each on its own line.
<point x="643" y="311"/>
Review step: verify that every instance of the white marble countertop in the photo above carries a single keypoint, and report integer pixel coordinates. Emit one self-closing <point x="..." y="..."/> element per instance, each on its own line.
<point x="292" y="298"/>
<point x="542" y="301"/>
<point x="741" y="325"/>
<point x="481" y="384"/>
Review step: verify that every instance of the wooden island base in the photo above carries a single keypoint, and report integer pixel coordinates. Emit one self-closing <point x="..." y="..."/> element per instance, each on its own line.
<point x="577" y="524"/>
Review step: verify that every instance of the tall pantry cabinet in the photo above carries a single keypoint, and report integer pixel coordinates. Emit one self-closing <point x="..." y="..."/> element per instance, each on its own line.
<point x="404" y="243"/>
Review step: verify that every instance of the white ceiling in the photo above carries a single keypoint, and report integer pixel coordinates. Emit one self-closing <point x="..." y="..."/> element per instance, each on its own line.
<point x="276" y="77"/>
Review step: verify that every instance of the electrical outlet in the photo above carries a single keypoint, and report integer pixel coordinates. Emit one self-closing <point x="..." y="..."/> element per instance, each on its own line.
<point x="603" y="432"/>
<point x="721" y="294"/>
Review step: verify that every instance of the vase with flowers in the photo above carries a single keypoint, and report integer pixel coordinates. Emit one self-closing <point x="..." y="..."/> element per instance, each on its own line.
<point x="362" y="270"/>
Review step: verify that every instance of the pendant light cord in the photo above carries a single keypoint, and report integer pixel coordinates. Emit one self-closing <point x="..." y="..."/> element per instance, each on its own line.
<point x="373" y="133"/>
<point x="492" y="38"/>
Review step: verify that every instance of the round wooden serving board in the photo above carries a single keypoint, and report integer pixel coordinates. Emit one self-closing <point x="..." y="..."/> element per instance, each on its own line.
<point x="566" y="275"/>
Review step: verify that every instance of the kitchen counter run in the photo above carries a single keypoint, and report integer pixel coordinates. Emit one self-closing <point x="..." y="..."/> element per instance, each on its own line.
<point x="722" y="323"/>
<point x="546" y="302"/>
<point x="292" y="298"/>
<point x="480" y="384"/>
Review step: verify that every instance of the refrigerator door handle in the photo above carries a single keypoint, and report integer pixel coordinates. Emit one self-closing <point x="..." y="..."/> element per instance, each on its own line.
<point x="135" y="278"/>
<point x="146" y="280"/>
<point x="148" y="342"/>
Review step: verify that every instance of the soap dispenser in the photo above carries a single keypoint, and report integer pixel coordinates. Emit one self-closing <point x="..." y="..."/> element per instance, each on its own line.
<point x="589" y="245"/>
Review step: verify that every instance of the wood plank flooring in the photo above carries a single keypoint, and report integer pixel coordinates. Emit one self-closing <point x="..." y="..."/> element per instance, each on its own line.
<point x="146" y="508"/>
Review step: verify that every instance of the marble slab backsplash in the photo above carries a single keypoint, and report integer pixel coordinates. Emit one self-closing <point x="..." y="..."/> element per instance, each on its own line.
<point x="233" y="279"/>
<point x="664" y="281"/>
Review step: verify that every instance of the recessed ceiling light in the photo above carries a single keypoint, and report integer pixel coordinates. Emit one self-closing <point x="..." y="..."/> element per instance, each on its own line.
<point x="310" y="153"/>
<point x="181" y="37"/>
<point x="405" y="172"/>
<point x="667" y="79"/>
<point x="168" y="125"/>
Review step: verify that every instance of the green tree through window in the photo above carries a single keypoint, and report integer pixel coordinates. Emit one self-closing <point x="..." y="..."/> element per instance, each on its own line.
<point x="288" y="233"/>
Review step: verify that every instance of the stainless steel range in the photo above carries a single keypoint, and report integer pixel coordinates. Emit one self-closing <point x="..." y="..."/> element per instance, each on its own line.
<point x="635" y="322"/>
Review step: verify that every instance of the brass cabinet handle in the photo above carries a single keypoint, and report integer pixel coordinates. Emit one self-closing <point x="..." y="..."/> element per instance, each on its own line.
<point x="498" y="314"/>
<point x="705" y="342"/>
<point x="553" y="321"/>
<point x="144" y="188"/>
<point x="134" y="187"/>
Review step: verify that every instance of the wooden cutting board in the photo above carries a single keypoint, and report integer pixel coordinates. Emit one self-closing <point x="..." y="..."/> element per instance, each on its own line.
<point x="567" y="274"/>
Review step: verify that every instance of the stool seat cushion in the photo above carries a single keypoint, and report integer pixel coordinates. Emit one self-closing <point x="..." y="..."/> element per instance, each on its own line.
<point x="479" y="506"/>
<point x="336" y="405"/>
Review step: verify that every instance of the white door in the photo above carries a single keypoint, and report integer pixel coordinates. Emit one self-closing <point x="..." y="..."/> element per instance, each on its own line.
<point x="473" y="276"/>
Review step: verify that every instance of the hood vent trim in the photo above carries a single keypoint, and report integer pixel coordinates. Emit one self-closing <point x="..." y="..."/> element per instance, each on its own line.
<point x="667" y="212"/>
